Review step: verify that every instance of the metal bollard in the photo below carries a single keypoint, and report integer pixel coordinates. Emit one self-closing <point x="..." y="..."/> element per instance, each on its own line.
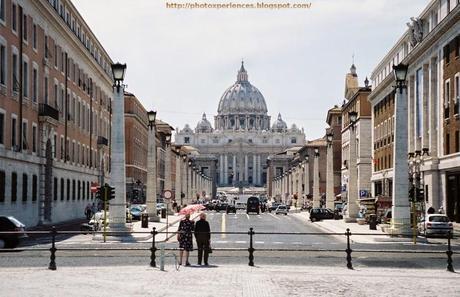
<point x="153" y="249"/>
<point x="449" y="253"/>
<point x="162" y="257"/>
<point x="348" y="250"/>
<point x="52" y="265"/>
<point x="251" y="247"/>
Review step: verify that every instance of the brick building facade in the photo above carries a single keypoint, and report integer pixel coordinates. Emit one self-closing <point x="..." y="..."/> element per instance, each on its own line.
<point x="55" y="103"/>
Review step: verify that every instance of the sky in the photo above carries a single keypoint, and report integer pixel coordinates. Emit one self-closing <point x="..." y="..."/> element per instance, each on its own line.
<point x="180" y="61"/>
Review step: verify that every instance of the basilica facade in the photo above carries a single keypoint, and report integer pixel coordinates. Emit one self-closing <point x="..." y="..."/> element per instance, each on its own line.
<point x="242" y="137"/>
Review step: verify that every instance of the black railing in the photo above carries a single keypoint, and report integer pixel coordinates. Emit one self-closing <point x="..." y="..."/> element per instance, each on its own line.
<point x="46" y="110"/>
<point x="153" y="249"/>
<point x="101" y="140"/>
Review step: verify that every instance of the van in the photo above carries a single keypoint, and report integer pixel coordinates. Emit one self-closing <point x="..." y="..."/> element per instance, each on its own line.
<point x="253" y="205"/>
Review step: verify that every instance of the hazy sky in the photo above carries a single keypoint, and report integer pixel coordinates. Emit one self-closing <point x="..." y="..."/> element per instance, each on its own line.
<point x="181" y="61"/>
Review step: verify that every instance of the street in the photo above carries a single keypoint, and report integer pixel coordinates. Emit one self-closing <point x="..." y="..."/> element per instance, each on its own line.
<point x="270" y="249"/>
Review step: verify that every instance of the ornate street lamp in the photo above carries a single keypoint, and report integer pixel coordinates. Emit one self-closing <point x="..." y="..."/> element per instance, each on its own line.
<point x="329" y="138"/>
<point x="353" y="116"/>
<point x="152" y="115"/>
<point x="400" y="75"/>
<point x="118" y="72"/>
<point x="316" y="152"/>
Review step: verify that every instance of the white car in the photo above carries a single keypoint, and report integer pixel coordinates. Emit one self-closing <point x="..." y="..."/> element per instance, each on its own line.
<point x="240" y="205"/>
<point x="436" y="224"/>
<point x="281" y="209"/>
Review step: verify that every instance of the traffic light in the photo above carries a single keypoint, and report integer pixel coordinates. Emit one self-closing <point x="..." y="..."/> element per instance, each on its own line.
<point x="99" y="193"/>
<point x="411" y="193"/>
<point x="111" y="192"/>
<point x="420" y="196"/>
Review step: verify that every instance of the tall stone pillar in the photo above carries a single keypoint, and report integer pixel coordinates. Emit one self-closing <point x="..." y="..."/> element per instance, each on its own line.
<point x="245" y="168"/>
<point x="433" y="106"/>
<point x="118" y="173"/>
<point x="178" y="180"/>
<point x="330" y="195"/>
<point x="316" y="195"/>
<point x="307" y="178"/>
<point x="400" y="222"/>
<point x="352" y="196"/>
<point x="221" y="169"/>
<point x="259" y="171"/>
<point x="254" y="169"/>
<point x="225" y="170"/>
<point x="234" y="170"/>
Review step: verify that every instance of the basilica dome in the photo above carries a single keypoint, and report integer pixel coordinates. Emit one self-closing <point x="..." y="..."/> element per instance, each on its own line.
<point x="279" y="125"/>
<point x="204" y="126"/>
<point x="242" y="98"/>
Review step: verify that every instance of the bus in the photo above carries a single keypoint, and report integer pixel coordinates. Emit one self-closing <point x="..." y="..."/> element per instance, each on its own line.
<point x="253" y="205"/>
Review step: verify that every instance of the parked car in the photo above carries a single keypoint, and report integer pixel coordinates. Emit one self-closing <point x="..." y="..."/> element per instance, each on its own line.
<point x="240" y="205"/>
<point x="231" y="208"/>
<point x="273" y="207"/>
<point x="318" y="214"/>
<point x="11" y="224"/>
<point x="136" y="212"/>
<point x="281" y="209"/>
<point x="435" y="225"/>
<point x="221" y="206"/>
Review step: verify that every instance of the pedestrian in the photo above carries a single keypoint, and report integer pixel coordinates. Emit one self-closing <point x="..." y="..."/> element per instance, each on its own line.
<point x="203" y="238"/>
<point x="88" y="211"/>
<point x="441" y="210"/>
<point x="184" y="236"/>
<point x="431" y="210"/>
<point x="93" y="209"/>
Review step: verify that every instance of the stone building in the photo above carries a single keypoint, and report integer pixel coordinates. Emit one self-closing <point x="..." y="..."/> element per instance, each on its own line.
<point x="55" y="111"/>
<point x="334" y="120"/>
<point x="243" y="137"/>
<point x="357" y="102"/>
<point x="136" y="136"/>
<point x="430" y="47"/>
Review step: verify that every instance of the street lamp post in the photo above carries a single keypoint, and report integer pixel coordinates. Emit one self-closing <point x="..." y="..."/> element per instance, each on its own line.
<point x="118" y="176"/>
<point x="316" y="195"/>
<point x="352" y="196"/>
<point x="168" y="180"/>
<point x="400" y="222"/>
<point x="330" y="196"/>
<point x="151" y="199"/>
<point x="307" y="178"/>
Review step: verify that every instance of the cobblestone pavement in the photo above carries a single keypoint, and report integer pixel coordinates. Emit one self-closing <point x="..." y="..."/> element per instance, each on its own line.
<point x="227" y="280"/>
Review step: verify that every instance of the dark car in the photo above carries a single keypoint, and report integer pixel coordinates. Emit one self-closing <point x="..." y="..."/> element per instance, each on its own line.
<point x="221" y="206"/>
<point x="318" y="214"/>
<point x="231" y="208"/>
<point x="253" y="205"/>
<point x="11" y="224"/>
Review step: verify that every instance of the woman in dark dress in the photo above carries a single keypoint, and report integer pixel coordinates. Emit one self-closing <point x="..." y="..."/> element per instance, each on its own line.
<point x="184" y="236"/>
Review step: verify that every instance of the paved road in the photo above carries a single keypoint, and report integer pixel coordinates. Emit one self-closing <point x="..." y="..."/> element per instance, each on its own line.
<point x="241" y="222"/>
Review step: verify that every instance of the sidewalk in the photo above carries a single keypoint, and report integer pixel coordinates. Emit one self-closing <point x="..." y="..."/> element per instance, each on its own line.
<point x="339" y="226"/>
<point x="228" y="281"/>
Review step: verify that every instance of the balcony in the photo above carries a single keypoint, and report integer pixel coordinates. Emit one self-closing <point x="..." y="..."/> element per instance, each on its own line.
<point x="47" y="111"/>
<point x="101" y="140"/>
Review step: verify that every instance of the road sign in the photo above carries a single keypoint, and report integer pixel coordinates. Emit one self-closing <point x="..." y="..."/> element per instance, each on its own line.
<point x="167" y="194"/>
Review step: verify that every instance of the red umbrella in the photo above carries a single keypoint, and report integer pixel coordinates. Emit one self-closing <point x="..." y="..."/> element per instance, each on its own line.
<point x="191" y="209"/>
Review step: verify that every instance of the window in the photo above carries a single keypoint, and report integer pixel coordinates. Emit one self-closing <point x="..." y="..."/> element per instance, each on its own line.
<point x="34" y="187"/>
<point x="2" y="186"/>
<point x="24" y="27"/>
<point x="62" y="147"/>
<point x="24" y="136"/>
<point x="34" y="85"/>
<point x="14" y="17"/>
<point x="68" y="189"/>
<point x="2" y="128"/>
<point x="457" y="46"/>
<point x="73" y="190"/>
<point x="55" y="189"/>
<point x="447" y="54"/>
<point x="34" y="36"/>
<point x="15" y="73"/>
<point x="62" y="189"/>
<point x="3" y="65"/>
<point x="25" y="79"/>
<point x="46" y="47"/>
<point x="293" y="140"/>
<point x="34" y="139"/>
<point x="13" y="132"/>
<point x="447" y="144"/>
<point x="2" y="10"/>
<point x="186" y="139"/>
<point x="54" y="145"/>
<point x="55" y="56"/>
<point x="79" y="190"/>
<point x="24" y="187"/>
<point x="419" y="102"/>
<point x="457" y="144"/>
<point x="14" y="187"/>
<point x="45" y="87"/>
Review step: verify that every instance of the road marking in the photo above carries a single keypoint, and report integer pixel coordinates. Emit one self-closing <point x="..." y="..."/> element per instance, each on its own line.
<point x="278" y="242"/>
<point x="275" y="216"/>
<point x="242" y="241"/>
<point x="260" y="242"/>
<point x="223" y="225"/>
<point x="247" y="216"/>
<point x="296" y="242"/>
<point x="220" y="241"/>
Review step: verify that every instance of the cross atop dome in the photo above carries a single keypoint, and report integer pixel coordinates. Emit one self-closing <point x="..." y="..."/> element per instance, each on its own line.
<point x="242" y="74"/>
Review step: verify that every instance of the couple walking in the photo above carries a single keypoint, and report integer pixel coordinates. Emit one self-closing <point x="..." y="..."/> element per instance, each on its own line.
<point x="202" y="235"/>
